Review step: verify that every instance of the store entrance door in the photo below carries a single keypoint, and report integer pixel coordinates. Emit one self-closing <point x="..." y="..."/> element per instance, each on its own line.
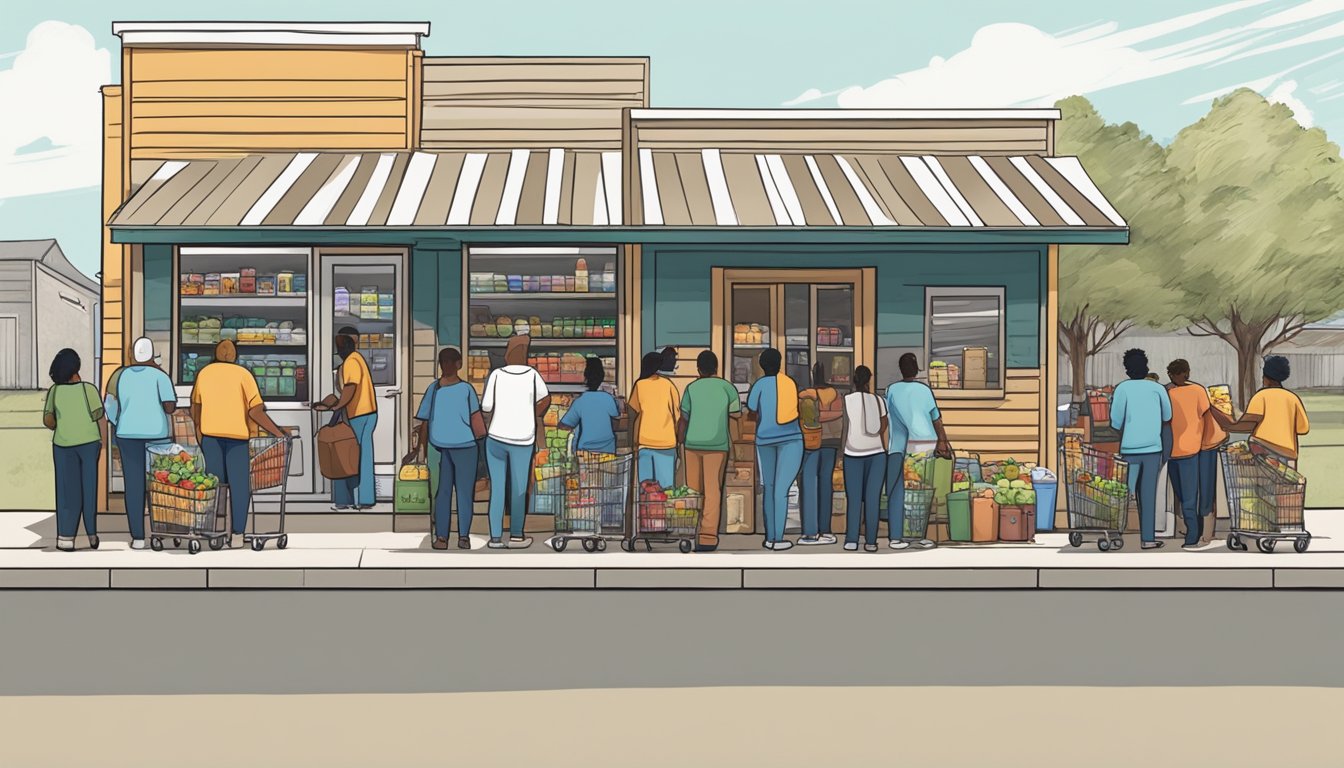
<point x="810" y="316"/>
<point x="365" y="291"/>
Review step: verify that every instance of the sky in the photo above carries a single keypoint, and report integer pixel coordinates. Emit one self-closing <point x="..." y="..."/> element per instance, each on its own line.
<point x="1158" y="63"/>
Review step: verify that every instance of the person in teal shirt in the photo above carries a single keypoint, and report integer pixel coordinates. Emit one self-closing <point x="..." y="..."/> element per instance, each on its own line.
<point x="592" y="414"/>
<point x="773" y="404"/>
<point x="139" y="399"/>
<point x="451" y="421"/>
<point x="1140" y="408"/>
<point x="74" y="414"/>
<point x="707" y="405"/>
<point x="915" y="426"/>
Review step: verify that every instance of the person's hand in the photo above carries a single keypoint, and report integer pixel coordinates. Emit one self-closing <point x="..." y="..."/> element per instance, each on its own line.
<point x="319" y="406"/>
<point x="943" y="449"/>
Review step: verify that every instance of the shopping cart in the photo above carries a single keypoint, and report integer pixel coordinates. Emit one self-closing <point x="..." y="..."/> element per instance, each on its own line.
<point x="666" y="521"/>
<point x="919" y="493"/>
<point x="593" y="510"/>
<point x="1097" y="493"/>
<point x="1265" y="499"/>
<point x="269" y="471"/>
<point x="178" y="507"/>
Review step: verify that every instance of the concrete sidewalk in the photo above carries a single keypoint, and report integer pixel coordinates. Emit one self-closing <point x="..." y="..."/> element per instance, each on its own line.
<point x="358" y="559"/>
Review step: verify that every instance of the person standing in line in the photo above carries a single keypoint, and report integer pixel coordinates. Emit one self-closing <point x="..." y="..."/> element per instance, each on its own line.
<point x="74" y="414"/>
<point x="656" y="404"/>
<point x="515" y="397"/>
<point x="865" y="422"/>
<point x="915" y="426"/>
<point x="706" y="408"/>
<point x="139" y="399"/>
<point x="357" y="399"/>
<point x="1189" y="413"/>
<point x="1139" y="408"/>
<point x="451" y="421"/>
<point x="1275" y="416"/>
<point x="225" y="403"/>
<point x="773" y="404"/>
<point x="821" y="443"/>
<point x="593" y="415"/>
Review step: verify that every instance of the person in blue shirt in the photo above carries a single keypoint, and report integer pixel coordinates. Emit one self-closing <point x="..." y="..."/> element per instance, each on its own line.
<point x="773" y="404"/>
<point x="592" y="414"/>
<point x="915" y="426"/>
<point x="1141" y="409"/>
<point x="139" y="399"/>
<point x="451" y="421"/>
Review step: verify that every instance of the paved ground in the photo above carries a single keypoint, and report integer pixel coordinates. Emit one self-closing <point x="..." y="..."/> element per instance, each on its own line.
<point x="373" y="558"/>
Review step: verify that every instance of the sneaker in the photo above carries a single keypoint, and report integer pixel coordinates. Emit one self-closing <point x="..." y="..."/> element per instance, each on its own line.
<point x="706" y="547"/>
<point x="810" y="541"/>
<point x="342" y="508"/>
<point x="464" y="542"/>
<point x="898" y="544"/>
<point x="440" y="542"/>
<point x="851" y="546"/>
<point x="520" y="542"/>
<point x="93" y="541"/>
<point x="767" y="544"/>
<point x="137" y="544"/>
<point x="869" y="547"/>
<point x="780" y="546"/>
<point x="826" y="539"/>
<point x="1192" y="545"/>
<point x="926" y="543"/>
<point x="65" y="543"/>
<point x="238" y="541"/>
<point x="497" y="544"/>
<point x="1153" y="544"/>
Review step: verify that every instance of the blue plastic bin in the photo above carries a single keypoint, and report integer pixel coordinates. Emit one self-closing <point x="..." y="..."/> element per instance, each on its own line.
<point x="1046" y="491"/>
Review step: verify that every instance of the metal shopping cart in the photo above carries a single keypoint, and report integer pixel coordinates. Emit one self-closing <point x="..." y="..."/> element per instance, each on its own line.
<point x="1097" y="493"/>
<point x="1265" y="499"/>
<point x="595" y="499"/>
<point x="662" y="520"/>
<point x="181" y="505"/>
<point x="269" y="471"/>
<point x="919" y="493"/>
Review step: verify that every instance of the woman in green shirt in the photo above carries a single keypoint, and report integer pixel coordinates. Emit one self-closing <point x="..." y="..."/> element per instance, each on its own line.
<point x="74" y="412"/>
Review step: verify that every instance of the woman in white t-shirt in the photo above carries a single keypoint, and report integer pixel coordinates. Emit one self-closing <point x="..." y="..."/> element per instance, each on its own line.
<point x="515" y="397"/>
<point x="865" y="460"/>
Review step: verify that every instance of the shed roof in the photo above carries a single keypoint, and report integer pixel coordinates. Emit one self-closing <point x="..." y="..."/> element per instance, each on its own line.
<point x="48" y="253"/>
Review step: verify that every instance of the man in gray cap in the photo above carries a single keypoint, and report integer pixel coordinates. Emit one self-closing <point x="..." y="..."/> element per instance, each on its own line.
<point x="139" y="398"/>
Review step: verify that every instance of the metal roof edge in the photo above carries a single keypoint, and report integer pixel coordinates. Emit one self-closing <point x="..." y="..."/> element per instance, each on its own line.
<point x="656" y="113"/>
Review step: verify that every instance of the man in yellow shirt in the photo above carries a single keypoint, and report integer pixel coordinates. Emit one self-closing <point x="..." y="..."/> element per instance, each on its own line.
<point x="356" y="399"/>
<point x="1275" y="416"/>
<point x="225" y="403"/>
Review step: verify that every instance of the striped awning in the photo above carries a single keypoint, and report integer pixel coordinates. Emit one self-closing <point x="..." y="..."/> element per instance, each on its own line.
<point x="560" y="187"/>
<point x="721" y="188"/>
<point x="389" y="189"/>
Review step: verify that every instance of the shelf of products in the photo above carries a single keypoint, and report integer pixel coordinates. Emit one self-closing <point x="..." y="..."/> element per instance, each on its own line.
<point x="225" y="296"/>
<point x="364" y="298"/>
<point x="485" y="327"/>
<point x="580" y="282"/>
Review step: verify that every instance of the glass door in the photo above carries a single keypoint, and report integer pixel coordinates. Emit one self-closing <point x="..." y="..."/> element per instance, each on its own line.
<point x="362" y="296"/>
<point x="833" y="333"/>
<point x="752" y="311"/>
<point x="808" y="322"/>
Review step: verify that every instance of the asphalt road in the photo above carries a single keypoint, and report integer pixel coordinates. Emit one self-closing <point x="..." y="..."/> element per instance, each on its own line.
<point x="373" y="642"/>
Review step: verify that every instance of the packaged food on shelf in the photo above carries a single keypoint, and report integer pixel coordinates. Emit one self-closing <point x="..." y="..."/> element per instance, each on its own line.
<point x="284" y="283"/>
<point x="750" y="333"/>
<point x="341" y="300"/>
<point x="210" y="284"/>
<point x="300" y="284"/>
<point x="228" y="283"/>
<point x="266" y="285"/>
<point x="581" y="276"/>
<point x="247" y="280"/>
<point x="478" y="366"/>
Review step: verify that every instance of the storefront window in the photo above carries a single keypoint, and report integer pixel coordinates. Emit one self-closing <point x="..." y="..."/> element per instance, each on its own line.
<point x="964" y="338"/>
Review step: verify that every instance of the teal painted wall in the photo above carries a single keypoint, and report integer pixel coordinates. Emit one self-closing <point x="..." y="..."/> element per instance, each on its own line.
<point x="157" y="270"/>
<point x="676" y="288"/>
<point x="436" y="291"/>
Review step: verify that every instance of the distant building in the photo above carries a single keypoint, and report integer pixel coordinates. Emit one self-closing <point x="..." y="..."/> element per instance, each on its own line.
<point x="45" y="305"/>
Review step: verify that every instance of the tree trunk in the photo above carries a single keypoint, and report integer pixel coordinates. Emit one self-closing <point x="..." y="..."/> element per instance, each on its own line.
<point x="1246" y="340"/>
<point x="1075" y="340"/>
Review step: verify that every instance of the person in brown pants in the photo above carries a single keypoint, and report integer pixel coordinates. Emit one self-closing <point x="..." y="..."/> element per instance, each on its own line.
<point x="706" y="406"/>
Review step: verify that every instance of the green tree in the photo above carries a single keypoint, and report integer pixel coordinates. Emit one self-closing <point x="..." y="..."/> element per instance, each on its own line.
<point x="1263" y="215"/>
<point x="1106" y="290"/>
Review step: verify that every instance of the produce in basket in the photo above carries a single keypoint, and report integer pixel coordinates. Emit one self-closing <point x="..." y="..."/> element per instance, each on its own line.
<point x="181" y="470"/>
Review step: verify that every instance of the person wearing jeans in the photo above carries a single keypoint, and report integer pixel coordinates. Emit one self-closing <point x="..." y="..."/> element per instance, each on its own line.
<point x="515" y="397"/>
<point x="1189" y="413"/>
<point x="865" y="423"/>
<point x="1139" y="408"/>
<point x="139" y="399"/>
<point x="821" y="442"/>
<point x="450" y="419"/>
<point x="773" y="404"/>
<point x="916" y="426"/>
<point x="356" y="397"/>
<point x="74" y="414"/>
<point x="657" y="405"/>
<point x="225" y="403"/>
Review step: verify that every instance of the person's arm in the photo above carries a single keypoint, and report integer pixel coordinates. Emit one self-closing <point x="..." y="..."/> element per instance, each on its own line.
<point x="488" y="399"/>
<point x="49" y="411"/>
<point x="683" y="422"/>
<point x="420" y="433"/>
<point x="1166" y="406"/>
<point x="256" y="408"/>
<point x="570" y="420"/>
<point x="1119" y="404"/>
<point x="196" y="411"/>
<point x="1249" y="421"/>
<point x="944" y="446"/>
<point x="542" y="394"/>
<point x="1303" y="426"/>
<point x="753" y="403"/>
<point x="167" y="395"/>
<point x="111" y="409"/>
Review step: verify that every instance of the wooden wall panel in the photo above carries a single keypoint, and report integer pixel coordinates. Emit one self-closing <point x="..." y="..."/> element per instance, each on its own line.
<point x="205" y="102"/>
<point x="998" y="429"/>
<point x="842" y="135"/>
<point x="474" y="103"/>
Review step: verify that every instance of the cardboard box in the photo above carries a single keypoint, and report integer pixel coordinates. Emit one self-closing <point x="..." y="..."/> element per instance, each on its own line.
<point x="984" y="520"/>
<point x="975" y="367"/>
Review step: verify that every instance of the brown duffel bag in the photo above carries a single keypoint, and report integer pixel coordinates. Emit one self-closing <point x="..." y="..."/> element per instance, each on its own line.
<point x="337" y="449"/>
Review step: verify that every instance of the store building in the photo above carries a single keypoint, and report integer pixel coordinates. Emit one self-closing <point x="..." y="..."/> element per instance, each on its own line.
<point x="277" y="182"/>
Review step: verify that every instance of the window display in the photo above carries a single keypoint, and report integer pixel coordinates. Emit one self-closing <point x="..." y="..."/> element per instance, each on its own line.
<point x="965" y="336"/>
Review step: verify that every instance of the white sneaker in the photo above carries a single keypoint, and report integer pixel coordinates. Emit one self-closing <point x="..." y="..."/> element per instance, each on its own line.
<point x="522" y="543"/>
<point x="826" y="538"/>
<point x="851" y="546"/>
<point x="780" y="546"/>
<point x="65" y="543"/>
<point x="137" y="544"/>
<point x="810" y="541"/>
<point x="898" y="544"/>
<point x="927" y="543"/>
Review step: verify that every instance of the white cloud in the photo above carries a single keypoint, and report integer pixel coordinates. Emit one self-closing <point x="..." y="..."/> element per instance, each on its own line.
<point x="1010" y="64"/>
<point x="51" y="92"/>
<point x="1285" y="94"/>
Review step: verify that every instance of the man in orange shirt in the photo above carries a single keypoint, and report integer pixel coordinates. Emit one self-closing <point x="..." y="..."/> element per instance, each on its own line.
<point x="1190" y="408"/>
<point x="356" y="398"/>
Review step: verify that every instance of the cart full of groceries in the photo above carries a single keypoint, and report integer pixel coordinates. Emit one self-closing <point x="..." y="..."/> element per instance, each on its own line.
<point x="1096" y="492"/>
<point x="666" y="516"/>
<point x="918" y="477"/>
<point x="185" y="502"/>
<point x="592" y="511"/>
<point x="1265" y="497"/>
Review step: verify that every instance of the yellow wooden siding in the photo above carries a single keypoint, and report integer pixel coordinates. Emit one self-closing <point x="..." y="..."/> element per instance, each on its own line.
<point x="910" y="136"/>
<point x="472" y="103"/>
<point x="203" y="102"/>
<point x="995" y="428"/>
